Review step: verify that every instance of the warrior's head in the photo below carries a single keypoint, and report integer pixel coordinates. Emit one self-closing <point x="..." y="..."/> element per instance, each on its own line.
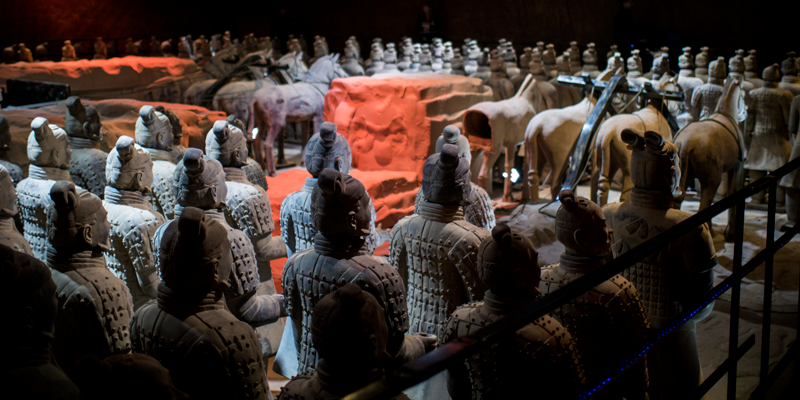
<point x="581" y="226"/>
<point x="446" y="177"/>
<point x="226" y="143"/>
<point x="76" y="220"/>
<point x="509" y="264"/>
<point x="327" y="149"/>
<point x="153" y="129"/>
<point x="129" y="166"/>
<point x="48" y="145"/>
<point x="655" y="164"/>
<point x="8" y="195"/>
<point x="340" y="205"/>
<point x="199" y="181"/>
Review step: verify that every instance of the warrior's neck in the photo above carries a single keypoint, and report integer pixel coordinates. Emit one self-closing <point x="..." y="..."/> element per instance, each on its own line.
<point x="235" y="174"/>
<point x="310" y="183"/>
<point x="346" y="378"/>
<point x="7" y="224"/>
<point x="770" y="84"/>
<point x="188" y="301"/>
<point x="714" y="81"/>
<point x="48" y="173"/>
<point x="750" y="75"/>
<point x="63" y="260"/>
<point x="581" y="264"/>
<point x="652" y="198"/>
<point x="133" y="198"/>
<point x="159" y="155"/>
<point x="440" y="212"/>
<point x="340" y="246"/>
<point x="504" y="305"/>
<point x="76" y="143"/>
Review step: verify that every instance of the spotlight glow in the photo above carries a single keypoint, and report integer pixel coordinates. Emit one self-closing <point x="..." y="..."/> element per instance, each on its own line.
<point x="255" y="133"/>
<point x="514" y="175"/>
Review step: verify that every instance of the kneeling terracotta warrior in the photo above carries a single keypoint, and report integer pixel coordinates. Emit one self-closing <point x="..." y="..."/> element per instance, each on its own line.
<point x="341" y="215"/>
<point x="435" y="251"/>
<point x="28" y="320"/>
<point x="349" y="333"/>
<point x="541" y="355"/>
<point x="85" y="132"/>
<point x="210" y="353"/>
<point x="9" y="235"/>
<point x="129" y="173"/>
<point x="94" y="306"/>
<point x="479" y="210"/>
<point x="608" y="321"/>
<point x="154" y="134"/>
<point x="671" y="279"/>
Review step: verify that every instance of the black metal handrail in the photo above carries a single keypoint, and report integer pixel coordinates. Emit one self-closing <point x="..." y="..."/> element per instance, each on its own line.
<point x="461" y="348"/>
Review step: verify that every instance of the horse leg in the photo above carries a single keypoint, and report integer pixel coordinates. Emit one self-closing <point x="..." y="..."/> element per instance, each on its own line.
<point x="508" y="196"/>
<point x="531" y="173"/>
<point x="485" y="176"/>
<point x="627" y="184"/>
<point x="604" y="175"/>
<point x="708" y="189"/>
<point x="274" y="130"/>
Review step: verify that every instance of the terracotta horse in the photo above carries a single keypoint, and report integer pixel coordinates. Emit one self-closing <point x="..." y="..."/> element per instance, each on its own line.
<point x="713" y="146"/>
<point x="611" y="153"/>
<point x="272" y="106"/>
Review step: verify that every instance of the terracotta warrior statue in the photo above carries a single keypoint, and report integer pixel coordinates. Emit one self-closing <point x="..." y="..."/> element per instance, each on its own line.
<point x="208" y="351"/>
<point x="510" y="58"/>
<point x="541" y="355"/>
<point x="483" y="70"/>
<point x="85" y="133"/>
<point x="472" y="55"/>
<point x="350" y="335"/>
<point x="49" y="154"/>
<point x="341" y="214"/>
<point x="706" y="96"/>
<point x="701" y="64"/>
<point x="326" y="149"/>
<point x="634" y="64"/>
<point x="671" y="279"/>
<point x="449" y="268"/>
<point x="686" y="79"/>
<point x="255" y="174"/>
<point x="29" y="325"/>
<point x="154" y="134"/>
<point x="100" y="51"/>
<point x="789" y="80"/>
<point x="767" y="120"/>
<point x="68" y="52"/>
<point x="791" y="182"/>
<point x="425" y="60"/>
<point x="479" y="210"/>
<point x="574" y="58"/>
<point x="376" y="55"/>
<point x="351" y="64"/>
<point x="41" y="52"/>
<point x="199" y="181"/>
<point x="524" y="61"/>
<point x="24" y="54"/>
<point x="608" y="321"/>
<point x="612" y="50"/>
<point x="5" y="144"/>
<point x="660" y="68"/>
<point x="590" y="62"/>
<point x="131" y="49"/>
<point x="94" y="306"/>
<point x="549" y="59"/>
<point x="390" y="59"/>
<point x="9" y="235"/>
<point x="567" y="95"/>
<point x="133" y="222"/>
<point x="736" y="69"/>
<point x="502" y="88"/>
<point x="407" y="49"/>
<point x="751" y="69"/>
<point x="457" y="64"/>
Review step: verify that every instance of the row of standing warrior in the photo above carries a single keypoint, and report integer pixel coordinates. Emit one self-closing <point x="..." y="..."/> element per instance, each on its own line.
<point x="147" y="270"/>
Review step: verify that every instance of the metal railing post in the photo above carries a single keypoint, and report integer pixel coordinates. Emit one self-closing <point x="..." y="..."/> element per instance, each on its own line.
<point x="736" y="291"/>
<point x="766" y="320"/>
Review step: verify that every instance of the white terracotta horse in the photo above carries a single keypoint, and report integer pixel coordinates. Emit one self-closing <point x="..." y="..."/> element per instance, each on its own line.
<point x="611" y="153"/>
<point x="272" y="106"/>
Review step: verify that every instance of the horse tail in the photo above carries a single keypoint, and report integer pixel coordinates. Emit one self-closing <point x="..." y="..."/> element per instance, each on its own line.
<point x="684" y="155"/>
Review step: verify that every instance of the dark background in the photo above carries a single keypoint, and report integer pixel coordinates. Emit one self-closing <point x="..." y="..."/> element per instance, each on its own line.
<point x="769" y="26"/>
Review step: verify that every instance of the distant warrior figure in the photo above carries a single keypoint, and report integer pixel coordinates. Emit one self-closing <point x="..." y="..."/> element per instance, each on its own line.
<point x="326" y="149"/>
<point x="425" y="60"/>
<point x="177" y="134"/>
<point x="41" y="52"/>
<point x="341" y="215"/>
<point x="68" y="52"/>
<point x="686" y="79"/>
<point x="131" y="49"/>
<point x="479" y="210"/>
<point x="457" y="63"/>
<point x="445" y="275"/>
<point x="184" y="48"/>
<point x="154" y="134"/>
<point x="524" y="67"/>
<point x="660" y="68"/>
<point x="9" y="235"/>
<point x="350" y="335"/>
<point x="24" y="54"/>
<point x="94" y="306"/>
<point x="10" y="54"/>
<point x="567" y="95"/>
<point x="767" y="121"/>
<point x="736" y="67"/>
<point x="351" y="64"/>
<point x="216" y="43"/>
<point x="672" y="279"/>
<point x="320" y="50"/>
<point x="390" y="59"/>
<point x="29" y="318"/>
<point x="590" y="62"/>
<point x="133" y="223"/>
<point x="407" y="50"/>
<point x="155" y="47"/>
<point x="791" y="182"/>
<point x="550" y="60"/>
<point x="789" y="79"/>
<point x="608" y="321"/>
<point x="502" y="88"/>
<point x="5" y="144"/>
<point x="166" y="48"/>
<point x="751" y="69"/>
<point x="706" y="96"/>
<point x="377" y="59"/>
<point x="255" y="174"/>
<point x="85" y="133"/>
<point x="49" y="154"/>
<point x="701" y="64"/>
<point x="100" y="50"/>
<point x="634" y="64"/>
<point x="541" y="355"/>
<point x="208" y="351"/>
<point x="199" y="181"/>
<point x="574" y="58"/>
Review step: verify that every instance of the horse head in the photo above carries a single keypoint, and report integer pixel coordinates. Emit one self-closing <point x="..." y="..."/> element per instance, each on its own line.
<point x="732" y="100"/>
<point x="327" y="68"/>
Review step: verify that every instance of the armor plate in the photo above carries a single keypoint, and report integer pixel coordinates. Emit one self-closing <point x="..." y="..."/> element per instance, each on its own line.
<point x="88" y="170"/>
<point x="33" y="197"/>
<point x="704" y="100"/>
<point x="162" y="198"/>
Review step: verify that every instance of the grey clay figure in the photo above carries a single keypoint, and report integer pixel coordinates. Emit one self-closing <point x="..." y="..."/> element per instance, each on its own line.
<point x="49" y="154"/>
<point x="671" y="279"/>
<point x="94" y="306"/>
<point x="502" y="88"/>
<point x="154" y="133"/>
<point x="255" y="174"/>
<point x="791" y="182"/>
<point x="701" y="64"/>
<point x="341" y="214"/>
<point x="5" y="144"/>
<point x="29" y="325"/>
<point x="85" y="133"/>
<point x="350" y="335"/>
<point x="9" y="235"/>
<point x="567" y="95"/>
<point x="608" y="321"/>
<point x="736" y="68"/>
<point x="706" y="96"/>
<point x="133" y="222"/>
<point x="479" y="210"/>
<point x="100" y="50"/>
<point x="686" y="79"/>
<point x="589" y="62"/>
<point x="326" y="149"/>
<point x="541" y="355"/>
<point x="789" y="78"/>
<point x="448" y="265"/>
<point x="208" y="351"/>
<point x="68" y="51"/>
<point x="751" y="70"/>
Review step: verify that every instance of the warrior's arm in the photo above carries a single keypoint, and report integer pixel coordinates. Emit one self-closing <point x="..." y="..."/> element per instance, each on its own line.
<point x="262" y="309"/>
<point x="398" y="252"/>
<point x="140" y="251"/>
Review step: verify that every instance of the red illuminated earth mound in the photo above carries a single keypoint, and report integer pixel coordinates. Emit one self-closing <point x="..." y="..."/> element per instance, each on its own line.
<point x="139" y="78"/>
<point x="118" y="118"/>
<point x="392" y="122"/>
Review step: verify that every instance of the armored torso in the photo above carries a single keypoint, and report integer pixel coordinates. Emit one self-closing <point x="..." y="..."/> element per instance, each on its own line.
<point x="94" y="308"/>
<point x="478" y="212"/>
<point x="704" y="100"/>
<point x="436" y="255"/>
<point x="605" y="323"/>
<point x="33" y="197"/>
<point x="539" y="358"/>
<point x="162" y="199"/>
<point x="313" y="273"/>
<point x="248" y="205"/>
<point x="210" y="354"/>
<point x="88" y="166"/>
<point x="673" y="276"/>
<point x="10" y="236"/>
<point x="770" y="146"/>
<point x="131" y="258"/>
